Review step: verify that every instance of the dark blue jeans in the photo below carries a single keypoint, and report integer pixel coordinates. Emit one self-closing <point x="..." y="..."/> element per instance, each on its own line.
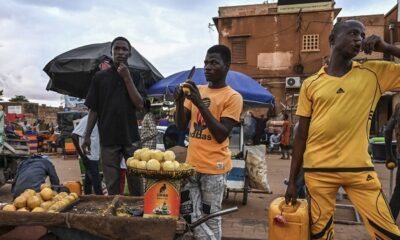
<point x="395" y="200"/>
<point x="92" y="178"/>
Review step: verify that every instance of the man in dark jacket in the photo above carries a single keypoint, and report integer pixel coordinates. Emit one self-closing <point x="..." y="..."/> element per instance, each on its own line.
<point x="32" y="172"/>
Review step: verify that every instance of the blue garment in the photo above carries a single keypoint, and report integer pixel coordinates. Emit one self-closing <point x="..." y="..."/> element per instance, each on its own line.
<point x="32" y="172"/>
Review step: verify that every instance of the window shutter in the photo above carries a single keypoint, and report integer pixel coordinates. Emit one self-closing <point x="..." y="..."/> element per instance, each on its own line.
<point x="239" y="50"/>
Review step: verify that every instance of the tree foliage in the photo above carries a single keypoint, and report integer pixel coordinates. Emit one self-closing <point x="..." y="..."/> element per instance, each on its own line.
<point x="19" y="98"/>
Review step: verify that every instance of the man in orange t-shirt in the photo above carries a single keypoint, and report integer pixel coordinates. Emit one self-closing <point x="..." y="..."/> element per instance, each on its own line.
<point x="212" y="110"/>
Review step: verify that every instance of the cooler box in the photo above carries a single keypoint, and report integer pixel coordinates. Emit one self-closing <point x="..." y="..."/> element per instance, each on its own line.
<point x="296" y="226"/>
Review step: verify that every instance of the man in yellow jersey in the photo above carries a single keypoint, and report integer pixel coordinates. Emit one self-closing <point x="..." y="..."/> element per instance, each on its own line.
<point x="212" y="110"/>
<point x="335" y="109"/>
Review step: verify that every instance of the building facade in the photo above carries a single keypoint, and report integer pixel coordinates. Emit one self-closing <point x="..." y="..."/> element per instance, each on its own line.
<point x="278" y="45"/>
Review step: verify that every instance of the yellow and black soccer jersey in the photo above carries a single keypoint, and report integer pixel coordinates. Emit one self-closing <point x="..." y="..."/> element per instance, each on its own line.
<point x="340" y="111"/>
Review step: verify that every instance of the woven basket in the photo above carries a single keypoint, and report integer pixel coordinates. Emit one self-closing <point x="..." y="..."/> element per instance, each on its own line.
<point x="177" y="174"/>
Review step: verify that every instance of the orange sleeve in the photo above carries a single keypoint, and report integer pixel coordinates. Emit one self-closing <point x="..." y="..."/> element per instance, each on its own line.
<point x="233" y="107"/>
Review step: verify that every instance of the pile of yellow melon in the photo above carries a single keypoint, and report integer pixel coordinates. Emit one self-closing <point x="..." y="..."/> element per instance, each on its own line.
<point x="156" y="160"/>
<point x="46" y="200"/>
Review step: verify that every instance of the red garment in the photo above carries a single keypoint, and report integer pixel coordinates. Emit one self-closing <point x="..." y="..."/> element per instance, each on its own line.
<point x="286" y="134"/>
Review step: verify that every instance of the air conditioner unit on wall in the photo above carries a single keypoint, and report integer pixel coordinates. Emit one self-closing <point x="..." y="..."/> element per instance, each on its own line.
<point x="293" y="82"/>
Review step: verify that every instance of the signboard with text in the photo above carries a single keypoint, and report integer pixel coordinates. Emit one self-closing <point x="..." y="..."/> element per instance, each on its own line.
<point x="293" y="6"/>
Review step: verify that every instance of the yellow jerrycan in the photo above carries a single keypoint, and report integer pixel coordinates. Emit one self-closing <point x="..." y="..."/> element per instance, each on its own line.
<point x="288" y="222"/>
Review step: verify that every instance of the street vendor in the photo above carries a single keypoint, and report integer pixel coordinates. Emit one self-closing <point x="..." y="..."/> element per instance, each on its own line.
<point x="114" y="96"/>
<point x="335" y="110"/>
<point x="212" y="110"/>
<point x="32" y="172"/>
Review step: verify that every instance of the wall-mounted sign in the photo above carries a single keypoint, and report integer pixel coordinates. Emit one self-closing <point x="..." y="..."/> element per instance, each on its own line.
<point x="14" y="109"/>
<point x="292" y="6"/>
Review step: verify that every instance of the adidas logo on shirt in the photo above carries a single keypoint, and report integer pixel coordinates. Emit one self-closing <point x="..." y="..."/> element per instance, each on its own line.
<point x="369" y="178"/>
<point x="340" y="90"/>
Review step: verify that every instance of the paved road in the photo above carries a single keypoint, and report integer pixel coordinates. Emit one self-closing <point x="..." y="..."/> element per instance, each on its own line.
<point x="250" y="222"/>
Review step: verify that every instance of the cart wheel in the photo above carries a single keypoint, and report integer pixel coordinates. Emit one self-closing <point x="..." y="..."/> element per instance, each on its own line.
<point x="245" y="190"/>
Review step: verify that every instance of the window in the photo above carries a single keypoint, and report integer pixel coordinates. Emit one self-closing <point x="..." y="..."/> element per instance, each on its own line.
<point x="310" y="43"/>
<point x="239" y="50"/>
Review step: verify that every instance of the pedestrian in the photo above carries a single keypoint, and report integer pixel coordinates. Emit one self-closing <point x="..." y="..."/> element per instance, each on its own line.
<point x="32" y="172"/>
<point x="335" y="110"/>
<point x="114" y="96"/>
<point x="261" y="123"/>
<point x="148" y="132"/>
<point x="249" y="128"/>
<point x="213" y="111"/>
<point x="393" y="124"/>
<point x="52" y="142"/>
<point x="285" y="137"/>
<point x="274" y="140"/>
<point x="90" y="161"/>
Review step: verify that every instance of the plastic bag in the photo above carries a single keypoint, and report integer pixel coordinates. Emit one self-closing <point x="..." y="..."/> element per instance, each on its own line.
<point x="256" y="166"/>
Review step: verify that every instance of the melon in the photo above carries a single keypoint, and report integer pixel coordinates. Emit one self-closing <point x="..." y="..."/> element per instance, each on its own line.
<point x="158" y="155"/>
<point x="70" y="198"/>
<point x="44" y="185"/>
<point x="46" y="205"/>
<point x="63" y="194"/>
<point x="20" y="202"/>
<point x="169" y="155"/>
<point x="133" y="163"/>
<point x="176" y="164"/>
<point x="9" y="208"/>
<point x="153" y="164"/>
<point x="145" y="155"/>
<point x="46" y="194"/>
<point x="28" y="193"/>
<point x="33" y="202"/>
<point x="75" y="195"/>
<point x="136" y="154"/>
<point x="141" y="165"/>
<point x="23" y="210"/>
<point x="38" y="209"/>
<point x="168" y="166"/>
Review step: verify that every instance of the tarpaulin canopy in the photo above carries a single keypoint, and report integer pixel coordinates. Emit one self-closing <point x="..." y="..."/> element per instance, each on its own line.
<point x="252" y="92"/>
<point x="71" y="72"/>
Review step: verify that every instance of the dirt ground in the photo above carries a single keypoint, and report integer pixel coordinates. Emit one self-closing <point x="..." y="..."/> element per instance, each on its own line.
<point x="278" y="170"/>
<point x="257" y="206"/>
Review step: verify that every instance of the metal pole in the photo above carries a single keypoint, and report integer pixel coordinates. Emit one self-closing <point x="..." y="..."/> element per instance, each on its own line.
<point x="391" y="31"/>
<point x="391" y="183"/>
<point x="241" y="137"/>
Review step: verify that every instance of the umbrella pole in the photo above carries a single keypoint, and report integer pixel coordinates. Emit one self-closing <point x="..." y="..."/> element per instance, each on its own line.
<point x="241" y="137"/>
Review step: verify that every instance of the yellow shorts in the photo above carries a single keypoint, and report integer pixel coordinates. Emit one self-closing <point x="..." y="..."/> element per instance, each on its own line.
<point x="365" y="192"/>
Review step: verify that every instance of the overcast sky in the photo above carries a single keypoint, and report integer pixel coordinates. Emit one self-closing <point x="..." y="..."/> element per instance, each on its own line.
<point x="172" y="34"/>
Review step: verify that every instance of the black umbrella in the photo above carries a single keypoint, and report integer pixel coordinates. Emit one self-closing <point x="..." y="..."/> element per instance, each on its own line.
<point x="71" y="72"/>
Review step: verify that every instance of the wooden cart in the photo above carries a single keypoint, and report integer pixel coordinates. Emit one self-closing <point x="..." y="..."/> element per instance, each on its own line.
<point x="102" y="225"/>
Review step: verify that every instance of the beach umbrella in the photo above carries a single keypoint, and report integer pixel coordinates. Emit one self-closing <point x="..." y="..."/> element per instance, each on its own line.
<point x="71" y="72"/>
<point x="252" y="92"/>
